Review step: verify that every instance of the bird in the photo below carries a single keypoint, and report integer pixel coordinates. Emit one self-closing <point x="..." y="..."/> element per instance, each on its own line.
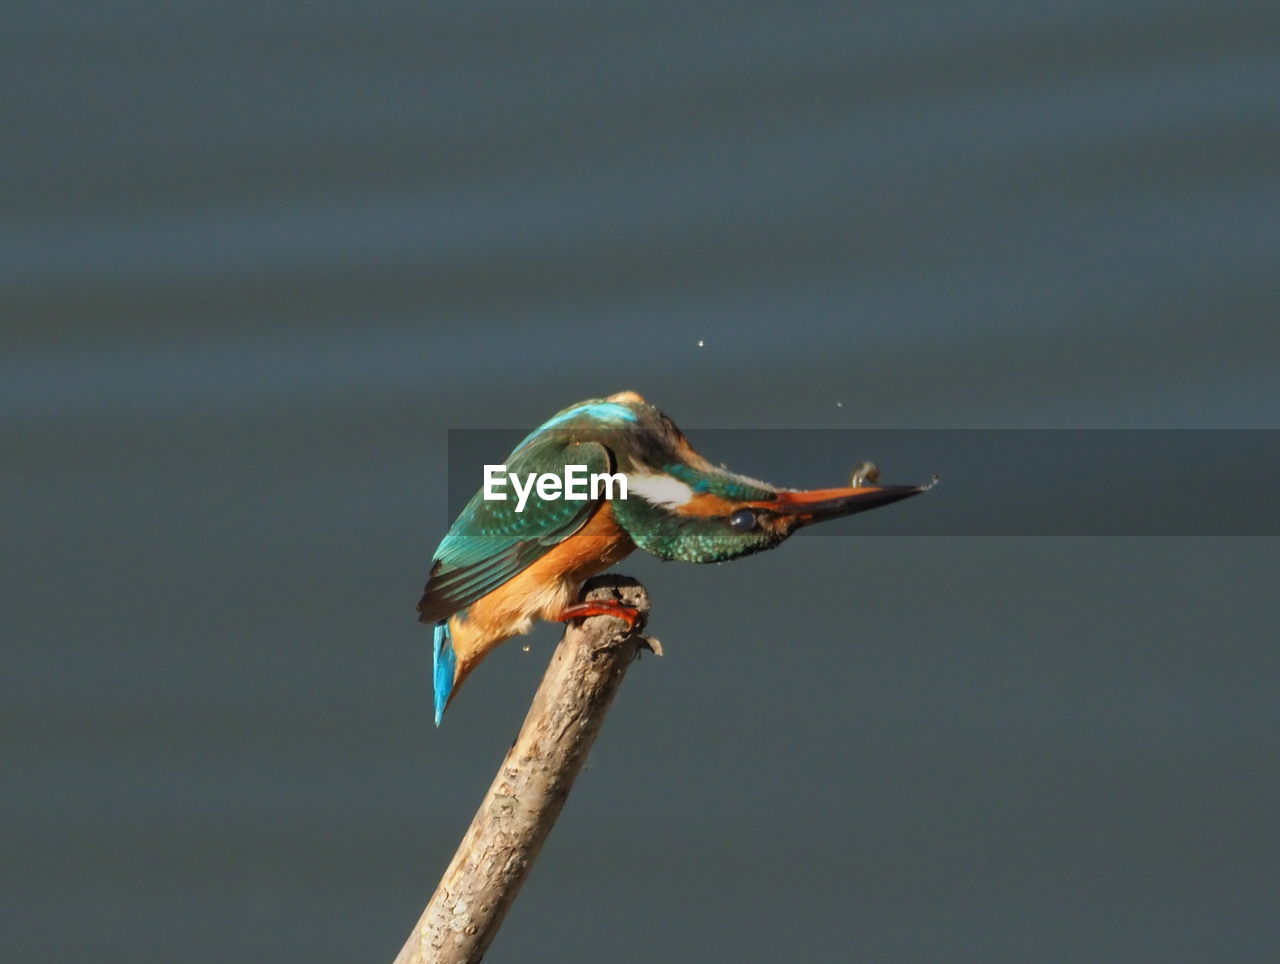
<point x="504" y="565"/>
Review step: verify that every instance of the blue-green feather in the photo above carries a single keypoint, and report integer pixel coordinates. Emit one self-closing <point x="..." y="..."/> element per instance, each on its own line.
<point x="443" y="661"/>
<point x="490" y="543"/>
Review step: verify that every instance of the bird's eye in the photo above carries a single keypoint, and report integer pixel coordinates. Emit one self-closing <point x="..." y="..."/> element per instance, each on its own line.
<point x="744" y="520"/>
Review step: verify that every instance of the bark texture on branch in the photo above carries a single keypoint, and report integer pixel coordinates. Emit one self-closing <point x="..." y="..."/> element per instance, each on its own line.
<point x="532" y="784"/>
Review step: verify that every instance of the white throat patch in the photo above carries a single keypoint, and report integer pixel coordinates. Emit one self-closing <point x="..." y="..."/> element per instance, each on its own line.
<point x="659" y="489"/>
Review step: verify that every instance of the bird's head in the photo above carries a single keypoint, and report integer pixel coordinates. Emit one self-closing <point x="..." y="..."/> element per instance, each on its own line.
<point x="724" y="522"/>
<point x="700" y="513"/>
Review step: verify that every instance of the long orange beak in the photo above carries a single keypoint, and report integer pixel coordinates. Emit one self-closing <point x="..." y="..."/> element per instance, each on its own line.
<point x="818" y="505"/>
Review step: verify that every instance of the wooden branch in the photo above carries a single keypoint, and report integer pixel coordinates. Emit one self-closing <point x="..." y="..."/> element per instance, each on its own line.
<point x="532" y="784"/>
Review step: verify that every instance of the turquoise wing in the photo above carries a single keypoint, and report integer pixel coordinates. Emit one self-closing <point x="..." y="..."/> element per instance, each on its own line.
<point x="490" y="542"/>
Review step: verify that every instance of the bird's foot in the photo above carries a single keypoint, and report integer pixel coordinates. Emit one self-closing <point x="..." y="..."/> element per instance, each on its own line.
<point x="600" y="607"/>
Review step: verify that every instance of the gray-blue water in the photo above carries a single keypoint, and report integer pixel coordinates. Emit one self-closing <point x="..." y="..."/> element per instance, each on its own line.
<point x="256" y="260"/>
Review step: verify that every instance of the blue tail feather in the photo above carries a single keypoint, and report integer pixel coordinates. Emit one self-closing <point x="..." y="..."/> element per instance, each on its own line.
<point x="444" y="663"/>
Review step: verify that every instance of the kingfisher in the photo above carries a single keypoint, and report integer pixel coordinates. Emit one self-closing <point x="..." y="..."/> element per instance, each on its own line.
<point x="506" y="563"/>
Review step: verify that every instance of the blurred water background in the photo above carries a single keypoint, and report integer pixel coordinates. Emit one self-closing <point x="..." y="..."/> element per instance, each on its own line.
<point x="257" y="259"/>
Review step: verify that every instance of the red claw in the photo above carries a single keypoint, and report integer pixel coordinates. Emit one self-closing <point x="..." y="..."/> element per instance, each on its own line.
<point x="629" y="614"/>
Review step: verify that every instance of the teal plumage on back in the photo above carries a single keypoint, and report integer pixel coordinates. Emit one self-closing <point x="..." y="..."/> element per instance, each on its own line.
<point x="490" y="543"/>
